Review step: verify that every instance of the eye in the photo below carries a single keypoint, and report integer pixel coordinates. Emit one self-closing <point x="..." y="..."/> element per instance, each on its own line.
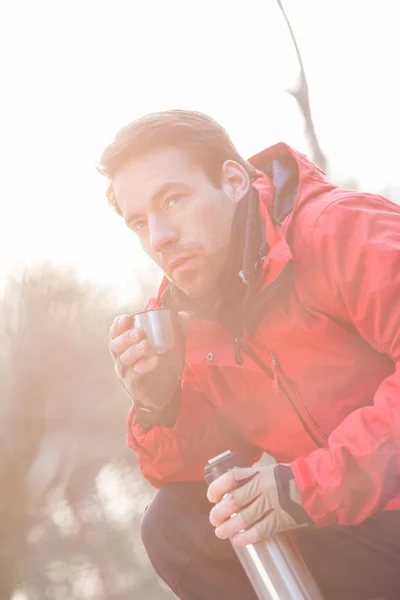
<point x="139" y="226"/>
<point x="172" y="201"/>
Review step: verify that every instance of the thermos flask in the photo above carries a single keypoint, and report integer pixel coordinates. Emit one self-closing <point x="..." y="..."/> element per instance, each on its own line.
<point x="275" y="566"/>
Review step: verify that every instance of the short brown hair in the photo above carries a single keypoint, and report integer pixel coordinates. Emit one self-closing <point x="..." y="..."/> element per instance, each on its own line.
<point x="200" y="136"/>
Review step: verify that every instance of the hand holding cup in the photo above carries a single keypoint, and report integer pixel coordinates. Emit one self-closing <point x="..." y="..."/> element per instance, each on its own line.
<point x="148" y="351"/>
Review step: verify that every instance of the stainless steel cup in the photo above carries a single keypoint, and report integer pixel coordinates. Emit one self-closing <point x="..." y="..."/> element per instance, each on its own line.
<point x="161" y="327"/>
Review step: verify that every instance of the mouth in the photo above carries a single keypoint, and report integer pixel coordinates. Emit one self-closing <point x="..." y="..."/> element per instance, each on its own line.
<point x="181" y="263"/>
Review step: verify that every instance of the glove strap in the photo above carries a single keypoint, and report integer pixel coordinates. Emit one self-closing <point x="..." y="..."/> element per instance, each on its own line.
<point x="283" y="476"/>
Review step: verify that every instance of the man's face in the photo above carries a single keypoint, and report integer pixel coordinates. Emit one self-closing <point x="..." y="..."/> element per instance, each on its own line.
<point x="183" y="221"/>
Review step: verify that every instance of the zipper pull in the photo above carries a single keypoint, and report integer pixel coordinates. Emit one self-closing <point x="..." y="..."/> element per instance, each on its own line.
<point x="236" y="348"/>
<point x="275" y="372"/>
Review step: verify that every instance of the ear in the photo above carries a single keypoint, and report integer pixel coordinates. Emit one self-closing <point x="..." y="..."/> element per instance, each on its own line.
<point x="235" y="180"/>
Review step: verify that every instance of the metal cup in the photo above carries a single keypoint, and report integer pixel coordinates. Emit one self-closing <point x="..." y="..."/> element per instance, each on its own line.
<point x="161" y="328"/>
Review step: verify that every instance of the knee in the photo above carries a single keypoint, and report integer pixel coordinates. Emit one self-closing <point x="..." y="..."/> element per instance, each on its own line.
<point x="173" y="527"/>
<point x="150" y="528"/>
<point x="156" y="538"/>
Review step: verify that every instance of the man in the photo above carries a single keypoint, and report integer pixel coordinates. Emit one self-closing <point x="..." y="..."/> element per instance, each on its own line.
<point x="288" y="289"/>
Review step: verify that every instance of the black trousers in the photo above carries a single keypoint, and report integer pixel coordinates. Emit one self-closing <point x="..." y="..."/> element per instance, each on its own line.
<point x="350" y="563"/>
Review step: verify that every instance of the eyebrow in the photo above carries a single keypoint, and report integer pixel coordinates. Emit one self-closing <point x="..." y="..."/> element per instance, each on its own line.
<point x="157" y="195"/>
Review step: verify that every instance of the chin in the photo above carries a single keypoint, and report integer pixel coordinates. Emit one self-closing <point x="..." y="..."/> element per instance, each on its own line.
<point x="196" y="292"/>
<point x="193" y="289"/>
<point x="189" y="291"/>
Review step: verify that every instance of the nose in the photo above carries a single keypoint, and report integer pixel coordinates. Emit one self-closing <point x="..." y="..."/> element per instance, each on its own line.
<point x="162" y="233"/>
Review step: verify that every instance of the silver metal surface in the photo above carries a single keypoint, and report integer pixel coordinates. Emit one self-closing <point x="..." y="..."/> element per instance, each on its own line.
<point x="275" y="566"/>
<point x="277" y="570"/>
<point x="160" y="328"/>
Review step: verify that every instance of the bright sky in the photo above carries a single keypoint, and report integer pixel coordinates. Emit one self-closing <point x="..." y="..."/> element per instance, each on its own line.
<point x="73" y="72"/>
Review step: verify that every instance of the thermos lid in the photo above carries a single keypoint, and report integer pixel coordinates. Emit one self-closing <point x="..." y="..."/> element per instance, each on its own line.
<point x="220" y="464"/>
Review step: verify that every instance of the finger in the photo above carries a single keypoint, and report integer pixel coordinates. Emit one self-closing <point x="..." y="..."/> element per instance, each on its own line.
<point x="256" y="510"/>
<point x="262" y="530"/>
<point x="223" y="510"/>
<point x="227" y="482"/>
<point x="246" y="489"/>
<point x="231" y="527"/>
<point x="119" y="325"/>
<point x="251" y="502"/>
<point x="119" y="367"/>
<point x="147" y="364"/>
<point x="125" y="340"/>
<point x="221" y="486"/>
<point x="134" y="353"/>
<point x="248" y="536"/>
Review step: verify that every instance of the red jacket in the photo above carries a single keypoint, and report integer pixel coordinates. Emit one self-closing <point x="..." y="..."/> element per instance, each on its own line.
<point x="319" y="386"/>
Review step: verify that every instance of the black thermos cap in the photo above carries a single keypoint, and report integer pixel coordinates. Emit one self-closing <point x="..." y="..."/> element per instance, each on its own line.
<point x="220" y="464"/>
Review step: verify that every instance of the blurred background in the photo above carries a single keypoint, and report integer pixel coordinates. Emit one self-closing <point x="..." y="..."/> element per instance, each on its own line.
<point x="71" y="497"/>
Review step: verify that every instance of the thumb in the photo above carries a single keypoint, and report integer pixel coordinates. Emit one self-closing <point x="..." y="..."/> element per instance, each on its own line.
<point x="184" y="320"/>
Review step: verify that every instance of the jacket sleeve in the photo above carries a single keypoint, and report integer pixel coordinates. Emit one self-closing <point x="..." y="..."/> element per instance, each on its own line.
<point x="180" y="452"/>
<point x="354" y="267"/>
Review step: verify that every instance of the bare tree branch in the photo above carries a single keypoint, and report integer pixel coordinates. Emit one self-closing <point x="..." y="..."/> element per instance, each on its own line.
<point x="301" y="95"/>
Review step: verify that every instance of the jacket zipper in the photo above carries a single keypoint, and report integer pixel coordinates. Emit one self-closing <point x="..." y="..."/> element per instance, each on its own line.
<point x="300" y="400"/>
<point x="275" y="372"/>
<point x="277" y="386"/>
